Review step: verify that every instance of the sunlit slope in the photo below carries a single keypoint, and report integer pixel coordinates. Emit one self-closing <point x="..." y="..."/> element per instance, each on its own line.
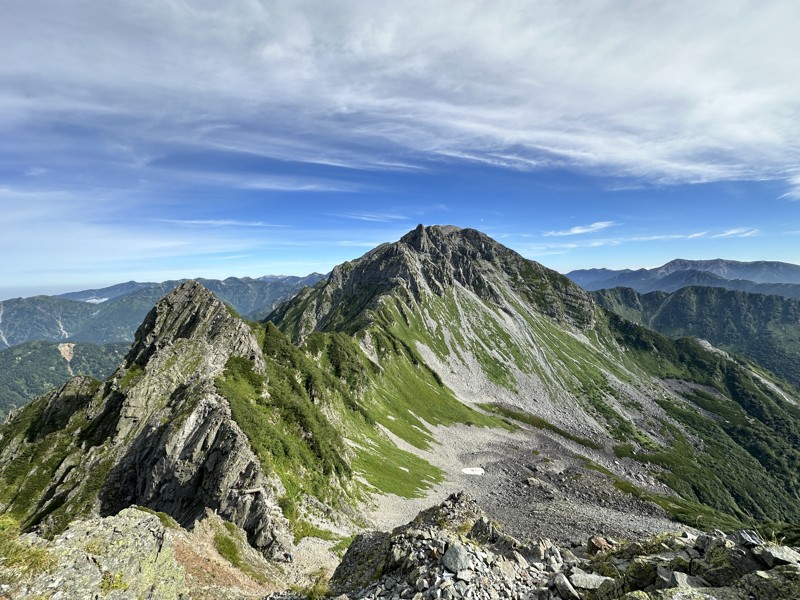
<point x="494" y="327"/>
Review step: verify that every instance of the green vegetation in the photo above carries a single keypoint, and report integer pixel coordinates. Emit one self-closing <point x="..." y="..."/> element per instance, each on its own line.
<point x="286" y="429"/>
<point x="45" y="439"/>
<point x="18" y="559"/>
<point x="229" y="541"/>
<point x="340" y="547"/>
<point x="750" y="436"/>
<point x="34" y="368"/>
<point x="781" y="533"/>
<point x="132" y="375"/>
<point x="539" y="423"/>
<point x="686" y="511"/>
<point x="303" y="528"/>
<point x="228" y="548"/>
<point x="111" y="582"/>
<point x="292" y="436"/>
<point x="391" y="470"/>
<point x="765" y="328"/>
<point x="317" y="589"/>
<point x="165" y="519"/>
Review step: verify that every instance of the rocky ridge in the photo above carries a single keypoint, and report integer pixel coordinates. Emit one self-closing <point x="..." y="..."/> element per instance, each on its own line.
<point x="157" y="434"/>
<point x="453" y="551"/>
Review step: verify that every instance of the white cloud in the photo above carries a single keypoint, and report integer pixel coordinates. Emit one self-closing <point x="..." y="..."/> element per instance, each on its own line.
<point x="217" y="222"/>
<point x="373" y="217"/>
<point x="737" y="232"/>
<point x="665" y="92"/>
<point x="581" y="229"/>
<point x="794" y="188"/>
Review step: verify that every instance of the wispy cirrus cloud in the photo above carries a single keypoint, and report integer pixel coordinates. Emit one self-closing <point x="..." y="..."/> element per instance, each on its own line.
<point x="373" y="217"/>
<point x="794" y="188"/>
<point x="217" y="223"/>
<point x="582" y="229"/>
<point x="737" y="232"/>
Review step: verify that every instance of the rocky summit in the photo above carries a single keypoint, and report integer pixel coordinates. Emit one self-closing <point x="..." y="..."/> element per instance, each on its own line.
<point x="439" y="363"/>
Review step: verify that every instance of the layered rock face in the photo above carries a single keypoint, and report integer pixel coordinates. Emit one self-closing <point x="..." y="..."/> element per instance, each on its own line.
<point x="431" y="260"/>
<point x="156" y="434"/>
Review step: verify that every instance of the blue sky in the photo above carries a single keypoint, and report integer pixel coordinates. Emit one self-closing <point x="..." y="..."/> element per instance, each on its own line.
<point x="177" y="138"/>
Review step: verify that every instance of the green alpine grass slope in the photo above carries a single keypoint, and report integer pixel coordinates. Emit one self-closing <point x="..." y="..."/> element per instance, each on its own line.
<point x="454" y="310"/>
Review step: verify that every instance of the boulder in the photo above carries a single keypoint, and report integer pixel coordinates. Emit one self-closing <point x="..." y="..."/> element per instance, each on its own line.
<point x="747" y="538"/>
<point x="456" y="558"/>
<point x="594" y="587"/>
<point x="780" y="583"/>
<point x="597" y="544"/>
<point x="565" y="588"/>
<point x="641" y="573"/>
<point x="772" y="555"/>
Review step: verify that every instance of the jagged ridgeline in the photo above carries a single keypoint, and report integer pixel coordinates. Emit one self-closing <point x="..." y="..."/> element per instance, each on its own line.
<point x="445" y="326"/>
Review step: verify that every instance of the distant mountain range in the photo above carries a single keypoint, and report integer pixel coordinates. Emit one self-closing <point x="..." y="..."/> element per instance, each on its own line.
<point x="764" y="328"/>
<point x="761" y="277"/>
<point x="112" y="314"/>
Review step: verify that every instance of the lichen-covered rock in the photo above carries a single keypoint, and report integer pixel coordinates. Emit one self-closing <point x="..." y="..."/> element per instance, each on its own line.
<point x="128" y="556"/>
<point x="772" y="555"/>
<point x="641" y="573"/>
<point x="782" y="582"/>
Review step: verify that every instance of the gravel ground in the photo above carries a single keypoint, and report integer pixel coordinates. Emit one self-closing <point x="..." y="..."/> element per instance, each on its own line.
<point x="563" y="500"/>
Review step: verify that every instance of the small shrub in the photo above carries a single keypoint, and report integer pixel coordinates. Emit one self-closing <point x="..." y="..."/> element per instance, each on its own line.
<point x="228" y="549"/>
<point x="165" y="519"/>
<point x="317" y="589"/>
<point x="111" y="582"/>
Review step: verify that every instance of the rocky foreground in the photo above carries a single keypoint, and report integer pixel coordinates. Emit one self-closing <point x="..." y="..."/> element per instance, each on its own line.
<point x="449" y="551"/>
<point x="453" y="551"/>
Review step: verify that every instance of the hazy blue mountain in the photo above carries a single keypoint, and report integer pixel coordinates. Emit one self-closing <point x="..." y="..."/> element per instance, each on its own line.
<point x="763" y="277"/>
<point x="112" y="314"/>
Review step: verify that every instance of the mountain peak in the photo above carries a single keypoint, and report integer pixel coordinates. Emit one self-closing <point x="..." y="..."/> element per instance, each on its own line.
<point x="421" y="237"/>
<point x="431" y="261"/>
<point x="190" y="311"/>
